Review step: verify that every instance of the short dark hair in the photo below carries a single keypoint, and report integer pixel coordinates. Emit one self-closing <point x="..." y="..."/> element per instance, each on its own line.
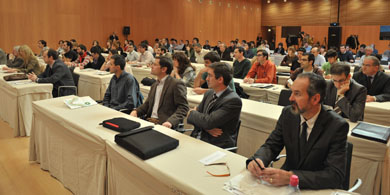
<point x="68" y="55"/>
<point x="144" y="45"/>
<point x="221" y="69"/>
<point x="114" y="51"/>
<point x="342" y="45"/>
<point x="163" y="49"/>
<point x="340" y="68"/>
<point x="96" y="49"/>
<point x="83" y="47"/>
<point x="212" y="56"/>
<point x="166" y="62"/>
<point x="363" y="46"/>
<point x="119" y="60"/>
<point x="264" y="53"/>
<point x="317" y="84"/>
<point x="310" y="58"/>
<point x="52" y="53"/>
<point x="68" y="43"/>
<point x="43" y="42"/>
<point x="241" y="50"/>
<point x="196" y="38"/>
<point x="301" y="49"/>
<point x="331" y="53"/>
<point x="145" y="42"/>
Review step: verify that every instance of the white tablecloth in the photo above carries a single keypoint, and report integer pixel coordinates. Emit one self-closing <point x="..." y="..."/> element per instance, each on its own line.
<point x="268" y="95"/>
<point x="92" y="84"/>
<point x="15" y="103"/>
<point x="378" y="113"/>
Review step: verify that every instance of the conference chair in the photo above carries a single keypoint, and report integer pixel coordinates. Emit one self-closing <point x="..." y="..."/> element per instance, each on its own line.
<point x="358" y="181"/>
<point x="284" y="97"/>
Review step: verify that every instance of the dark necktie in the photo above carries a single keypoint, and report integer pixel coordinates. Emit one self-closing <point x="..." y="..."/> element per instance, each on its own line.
<point x="303" y="140"/>
<point x="369" y="78"/>
<point x="211" y="103"/>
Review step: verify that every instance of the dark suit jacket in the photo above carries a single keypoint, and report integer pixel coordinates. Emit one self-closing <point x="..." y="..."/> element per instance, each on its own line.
<point x="59" y="75"/>
<point x="380" y="87"/>
<point x="96" y="65"/>
<point x="224" y="114"/>
<point x="173" y="105"/>
<point x="225" y="55"/>
<point x="324" y="162"/>
<point x="353" y="103"/>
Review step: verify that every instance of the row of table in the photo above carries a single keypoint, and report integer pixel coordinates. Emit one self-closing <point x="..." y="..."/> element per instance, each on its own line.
<point x="82" y="155"/>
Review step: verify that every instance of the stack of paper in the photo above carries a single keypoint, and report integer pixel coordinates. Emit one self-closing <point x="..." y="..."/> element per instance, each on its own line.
<point x="79" y="102"/>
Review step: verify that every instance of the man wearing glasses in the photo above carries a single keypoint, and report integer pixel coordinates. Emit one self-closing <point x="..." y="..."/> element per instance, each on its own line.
<point x="343" y="94"/>
<point x="307" y="65"/>
<point x="262" y="71"/>
<point x="376" y="81"/>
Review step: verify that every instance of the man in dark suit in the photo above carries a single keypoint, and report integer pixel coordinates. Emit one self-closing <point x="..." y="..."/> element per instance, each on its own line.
<point x="56" y="72"/>
<point x="376" y="81"/>
<point x="314" y="138"/>
<point x="344" y="55"/>
<point x="224" y="52"/>
<point x="217" y="116"/>
<point x="167" y="100"/>
<point x="343" y="94"/>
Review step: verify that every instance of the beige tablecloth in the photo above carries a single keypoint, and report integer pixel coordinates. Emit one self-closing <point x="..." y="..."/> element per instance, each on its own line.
<point x="141" y="72"/>
<point x="92" y="84"/>
<point x="15" y="103"/>
<point x="71" y="145"/>
<point x="268" y="95"/>
<point x="378" y="113"/>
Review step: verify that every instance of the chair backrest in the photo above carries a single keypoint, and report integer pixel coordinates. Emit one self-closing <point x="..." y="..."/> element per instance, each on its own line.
<point x="348" y="166"/>
<point x="284" y="97"/>
<point x="235" y="137"/>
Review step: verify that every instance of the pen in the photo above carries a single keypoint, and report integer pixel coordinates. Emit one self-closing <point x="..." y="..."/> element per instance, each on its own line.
<point x="253" y="158"/>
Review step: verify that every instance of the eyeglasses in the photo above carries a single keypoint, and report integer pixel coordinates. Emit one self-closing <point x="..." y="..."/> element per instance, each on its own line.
<point x="259" y="55"/>
<point x="219" y="175"/>
<point x="304" y="60"/>
<point x="368" y="65"/>
<point x="339" y="81"/>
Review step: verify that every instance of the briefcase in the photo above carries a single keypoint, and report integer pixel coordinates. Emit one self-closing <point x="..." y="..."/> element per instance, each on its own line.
<point x="146" y="142"/>
<point x="371" y="132"/>
<point x="120" y="124"/>
<point x="15" y="77"/>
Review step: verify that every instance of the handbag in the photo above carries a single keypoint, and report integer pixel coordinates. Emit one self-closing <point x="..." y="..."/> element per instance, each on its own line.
<point x="146" y="142"/>
<point x="148" y="81"/>
<point x="120" y="124"/>
<point x="15" y="77"/>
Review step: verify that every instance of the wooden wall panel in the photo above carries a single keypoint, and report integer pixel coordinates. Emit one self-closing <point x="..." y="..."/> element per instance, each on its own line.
<point x="25" y="22"/>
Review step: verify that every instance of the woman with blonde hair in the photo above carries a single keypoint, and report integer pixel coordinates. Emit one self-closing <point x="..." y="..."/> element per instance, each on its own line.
<point x="30" y="64"/>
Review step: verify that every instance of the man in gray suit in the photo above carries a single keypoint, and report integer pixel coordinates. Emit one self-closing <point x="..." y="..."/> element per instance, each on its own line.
<point x="217" y="116"/>
<point x="343" y="94"/>
<point x="314" y="138"/>
<point x="167" y="100"/>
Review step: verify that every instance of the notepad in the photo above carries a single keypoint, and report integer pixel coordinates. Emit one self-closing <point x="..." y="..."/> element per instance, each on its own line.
<point x="79" y="102"/>
<point x="212" y="157"/>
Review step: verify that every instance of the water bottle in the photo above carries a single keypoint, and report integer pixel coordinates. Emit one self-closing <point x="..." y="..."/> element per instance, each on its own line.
<point x="293" y="188"/>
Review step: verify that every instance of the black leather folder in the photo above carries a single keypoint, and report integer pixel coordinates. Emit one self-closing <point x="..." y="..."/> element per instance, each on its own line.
<point x="146" y="142"/>
<point x="372" y="132"/>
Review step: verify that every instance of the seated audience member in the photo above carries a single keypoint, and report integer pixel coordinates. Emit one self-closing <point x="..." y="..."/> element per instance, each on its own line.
<point x="182" y="69"/>
<point x="97" y="59"/>
<point x="314" y="138"/>
<point x="376" y="81"/>
<point x="68" y="49"/>
<point x="60" y="49"/>
<point x="344" y="55"/>
<point x="361" y="52"/>
<point x="367" y="52"/>
<point x="343" y="94"/>
<point x="262" y="71"/>
<point x="30" y="62"/>
<point x="167" y="100"/>
<point x="132" y="56"/>
<point x="279" y="49"/>
<point x="323" y="51"/>
<point x="123" y="91"/>
<point x="200" y="83"/>
<point x="107" y="64"/>
<point x="216" y="118"/>
<point x="332" y="58"/>
<point x="108" y="47"/>
<point x="83" y="59"/>
<point x="290" y="60"/>
<point x="307" y="65"/>
<point x="3" y="57"/>
<point x="42" y="45"/>
<point x="199" y="53"/>
<point x="15" y="61"/>
<point x="149" y="48"/>
<point x="263" y="46"/>
<point x="224" y="53"/>
<point x="319" y="60"/>
<point x="165" y="53"/>
<point x="248" y="52"/>
<point x="117" y="46"/>
<point x="386" y="55"/>
<point x="190" y="52"/>
<point x="207" y="45"/>
<point x="241" y="65"/>
<point x="146" y="57"/>
<point x="307" y="47"/>
<point x="56" y="72"/>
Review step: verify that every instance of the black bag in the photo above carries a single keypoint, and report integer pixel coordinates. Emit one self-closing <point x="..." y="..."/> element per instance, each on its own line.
<point x="146" y="142"/>
<point x="147" y="81"/>
<point x="372" y="132"/>
<point x="120" y="124"/>
<point x="15" y="77"/>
